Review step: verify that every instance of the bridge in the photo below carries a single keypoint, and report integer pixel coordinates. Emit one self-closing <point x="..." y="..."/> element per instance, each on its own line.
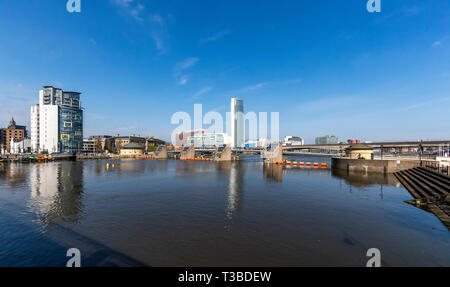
<point x="375" y="145"/>
<point x="333" y="148"/>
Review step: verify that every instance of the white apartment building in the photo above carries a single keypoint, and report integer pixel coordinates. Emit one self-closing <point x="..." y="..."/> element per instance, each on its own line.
<point x="57" y="122"/>
<point x="35" y="128"/>
<point x="237" y="123"/>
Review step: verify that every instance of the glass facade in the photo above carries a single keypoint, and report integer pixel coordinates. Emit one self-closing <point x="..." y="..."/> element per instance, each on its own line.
<point x="207" y="140"/>
<point x="327" y="140"/>
<point x="70" y="130"/>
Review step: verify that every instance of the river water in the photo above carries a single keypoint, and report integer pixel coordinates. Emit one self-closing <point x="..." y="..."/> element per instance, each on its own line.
<point x="175" y="213"/>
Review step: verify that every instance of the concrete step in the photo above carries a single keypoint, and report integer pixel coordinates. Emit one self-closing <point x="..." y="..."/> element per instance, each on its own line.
<point x="436" y="184"/>
<point x="436" y="175"/>
<point x="431" y="188"/>
<point x="405" y="183"/>
<point x="417" y="191"/>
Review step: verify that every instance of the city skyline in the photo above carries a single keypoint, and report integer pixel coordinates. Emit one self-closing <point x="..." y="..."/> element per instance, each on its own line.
<point x="274" y="57"/>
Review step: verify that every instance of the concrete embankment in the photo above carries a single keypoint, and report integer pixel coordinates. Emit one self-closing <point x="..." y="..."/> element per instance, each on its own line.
<point x="431" y="191"/>
<point x="375" y="166"/>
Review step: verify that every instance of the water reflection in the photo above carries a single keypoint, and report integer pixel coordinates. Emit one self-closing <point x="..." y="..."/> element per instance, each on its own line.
<point x="57" y="191"/>
<point x="236" y="189"/>
<point x="126" y="167"/>
<point x="13" y="174"/>
<point x="273" y="173"/>
<point x="174" y="213"/>
<point x="361" y="179"/>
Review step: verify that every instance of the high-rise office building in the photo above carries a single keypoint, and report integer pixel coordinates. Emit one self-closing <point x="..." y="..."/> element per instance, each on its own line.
<point x="57" y="122"/>
<point x="237" y="123"/>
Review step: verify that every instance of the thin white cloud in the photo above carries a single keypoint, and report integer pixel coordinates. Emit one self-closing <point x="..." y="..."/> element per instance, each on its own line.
<point x="202" y="92"/>
<point x="138" y="11"/>
<point x="185" y="64"/>
<point x="439" y="42"/>
<point x="215" y="37"/>
<point x="183" y="80"/>
<point x="181" y="67"/>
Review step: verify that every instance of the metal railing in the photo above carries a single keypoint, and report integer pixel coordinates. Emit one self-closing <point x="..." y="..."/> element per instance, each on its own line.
<point x="436" y="167"/>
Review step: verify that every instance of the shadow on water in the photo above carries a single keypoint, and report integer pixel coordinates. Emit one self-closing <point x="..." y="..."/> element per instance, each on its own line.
<point x="56" y="198"/>
<point x="50" y="249"/>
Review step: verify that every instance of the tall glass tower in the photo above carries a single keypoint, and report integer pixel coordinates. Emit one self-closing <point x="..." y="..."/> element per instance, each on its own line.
<point x="237" y="123"/>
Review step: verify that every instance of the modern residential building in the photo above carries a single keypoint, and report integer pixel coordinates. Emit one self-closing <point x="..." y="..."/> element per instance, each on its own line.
<point x="12" y="132"/>
<point x="89" y="146"/>
<point x="237" y="123"/>
<point x="209" y="140"/>
<point x="293" y="140"/>
<point x="327" y="140"/>
<point x="57" y="122"/>
<point x="181" y="138"/>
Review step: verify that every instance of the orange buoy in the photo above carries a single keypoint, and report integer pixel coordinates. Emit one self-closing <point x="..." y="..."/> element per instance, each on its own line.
<point x="295" y="163"/>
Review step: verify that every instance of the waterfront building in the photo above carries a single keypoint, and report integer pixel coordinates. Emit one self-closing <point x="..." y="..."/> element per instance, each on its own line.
<point x="237" y="123"/>
<point x="152" y="143"/>
<point x="89" y="146"/>
<point x="57" y="122"/>
<point x="181" y="138"/>
<point x="20" y="146"/>
<point x="132" y="149"/>
<point x="359" y="151"/>
<point x="12" y="132"/>
<point x="102" y="143"/>
<point x="212" y="140"/>
<point x="149" y="143"/>
<point x="293" y="140"/>
<point x="256" y="144"/>
<point x="120" y="141"/>
<point x="327" y="140"/>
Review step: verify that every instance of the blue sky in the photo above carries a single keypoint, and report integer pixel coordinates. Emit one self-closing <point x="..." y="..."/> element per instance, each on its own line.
<point x="328" y="67"/>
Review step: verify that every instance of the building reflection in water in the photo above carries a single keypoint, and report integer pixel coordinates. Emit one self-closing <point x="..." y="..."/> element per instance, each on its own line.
<point x="126" y="167"/>
<point x="57" y="191"/>
<point x="273" y="173"/>
<point x="13" y="174"/>
<point x="236" y="173"/>
<point x="362" y="180"/>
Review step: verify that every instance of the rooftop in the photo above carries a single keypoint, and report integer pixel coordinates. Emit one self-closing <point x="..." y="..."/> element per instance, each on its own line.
<point x="133" y="146"/>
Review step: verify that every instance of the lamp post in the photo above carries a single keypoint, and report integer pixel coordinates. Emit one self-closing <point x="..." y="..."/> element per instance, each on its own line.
<point x="420" y="153"/>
